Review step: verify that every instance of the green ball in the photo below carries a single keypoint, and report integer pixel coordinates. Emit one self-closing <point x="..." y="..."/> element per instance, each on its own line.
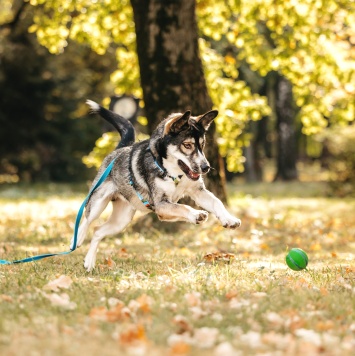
<point x="297" y="259"/>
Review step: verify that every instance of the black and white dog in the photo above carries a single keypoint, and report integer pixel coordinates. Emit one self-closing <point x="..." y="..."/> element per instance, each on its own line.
<point x="152" y="175"/>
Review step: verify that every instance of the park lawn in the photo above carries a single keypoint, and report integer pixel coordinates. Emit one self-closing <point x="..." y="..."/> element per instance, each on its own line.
<point x="178" y="289"/>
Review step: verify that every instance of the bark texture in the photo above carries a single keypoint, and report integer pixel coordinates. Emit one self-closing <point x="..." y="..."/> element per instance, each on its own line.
<point x="171" y="71"/>
<point x="286" y="143"/>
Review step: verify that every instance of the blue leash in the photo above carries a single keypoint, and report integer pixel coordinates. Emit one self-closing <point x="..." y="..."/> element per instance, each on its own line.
<point x="76" y="228"/>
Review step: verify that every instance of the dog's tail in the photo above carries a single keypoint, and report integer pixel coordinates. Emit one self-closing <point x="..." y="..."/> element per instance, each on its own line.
<point x="122" y="125"/>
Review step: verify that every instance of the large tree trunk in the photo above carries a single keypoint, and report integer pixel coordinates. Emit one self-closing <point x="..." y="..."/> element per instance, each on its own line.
<point x="171" y="71"/>
<point x="286" y="142"/>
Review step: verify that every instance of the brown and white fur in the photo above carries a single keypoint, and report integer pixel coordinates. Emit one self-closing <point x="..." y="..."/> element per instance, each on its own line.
<point x="162" y="169"/>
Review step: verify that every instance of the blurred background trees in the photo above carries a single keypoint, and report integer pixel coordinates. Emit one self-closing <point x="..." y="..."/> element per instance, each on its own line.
<point x="279" y="72"/>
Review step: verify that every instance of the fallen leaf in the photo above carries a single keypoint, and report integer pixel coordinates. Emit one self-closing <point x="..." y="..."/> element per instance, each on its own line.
<point x="180" y="348"/>
<point x="225" y="349"/>
<point x="325" y="325"/>
<point x="118" y="312"/>
<point x="264" y="246"/>
<point x="122" y="253"/>
<point x="134" y="334"/>
<point x="182" y="323"/>
<point x="144" y="303"/>
<point x="184" y="338"/>
<point x="197" y="313"/>
<point x="251" y="338"/>
<point x="323" y="291"/>
<point x="282" y="341"/>
<point x="6" y="298"/>
<point x="109" y="262"/>
<point x="310" y="336"/>
<point x="218" y="257"/>
<point x="98" y="313"/>
<point x="274" y="318"/>
<point x="61" y="282"/>
<point x="60" y="300"/>
<point x="205" y="337"/>
<point x="193" y="299"/>
<point x="231" y="294"/>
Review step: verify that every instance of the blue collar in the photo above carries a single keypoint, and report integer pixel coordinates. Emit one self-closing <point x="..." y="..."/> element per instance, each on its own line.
<point x="163" y="170"/>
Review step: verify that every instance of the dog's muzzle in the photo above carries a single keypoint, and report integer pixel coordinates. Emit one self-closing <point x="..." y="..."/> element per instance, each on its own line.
<point x="188" y="172"/>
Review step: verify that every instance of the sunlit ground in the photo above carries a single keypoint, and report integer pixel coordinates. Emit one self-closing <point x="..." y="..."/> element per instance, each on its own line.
<point x="156" y="291"/>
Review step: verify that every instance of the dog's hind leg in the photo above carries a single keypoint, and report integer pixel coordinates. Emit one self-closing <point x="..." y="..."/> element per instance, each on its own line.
<point x="122" y="214"/>
<point x="96" y="205"/>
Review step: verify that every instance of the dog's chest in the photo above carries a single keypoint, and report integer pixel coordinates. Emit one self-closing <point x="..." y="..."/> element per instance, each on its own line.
<point x="173" y="191"/>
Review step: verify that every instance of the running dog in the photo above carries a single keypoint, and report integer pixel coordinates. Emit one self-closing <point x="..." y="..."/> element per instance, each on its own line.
<point x="152" y="175"/>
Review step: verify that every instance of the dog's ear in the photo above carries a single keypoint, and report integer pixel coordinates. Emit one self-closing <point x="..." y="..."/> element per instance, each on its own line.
<point x="177" y="123"/>
<point x="206" y="119"/>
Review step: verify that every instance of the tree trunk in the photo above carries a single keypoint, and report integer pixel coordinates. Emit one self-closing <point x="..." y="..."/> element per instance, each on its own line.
<point x="286" y="142"/>
<point x="171" y="71"/>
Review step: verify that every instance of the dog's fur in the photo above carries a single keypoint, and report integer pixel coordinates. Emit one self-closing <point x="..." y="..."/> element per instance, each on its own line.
<point x="162" y="170"/>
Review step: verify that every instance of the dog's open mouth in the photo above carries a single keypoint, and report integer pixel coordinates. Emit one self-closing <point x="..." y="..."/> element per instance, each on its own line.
<point x="189" y="173"/>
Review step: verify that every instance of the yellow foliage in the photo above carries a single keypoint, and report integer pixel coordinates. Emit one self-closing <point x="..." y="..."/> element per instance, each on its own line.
<point x="308" y="42"/>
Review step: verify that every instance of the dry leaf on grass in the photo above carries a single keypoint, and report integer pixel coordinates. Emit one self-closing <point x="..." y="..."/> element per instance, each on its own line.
<point x="182" y="323"/>
<point x="110" y="262"/>
<point x="205" y="337"/>
<point x="61" y="282"/>
<point x="6" y="298"/>
<point x="118" y="312"/>
<point x="193" y="299"/>
<point x="60" y="300"/>
<point x="218" y="257"/>
<point x="122" y="253"/>
<point x="225" y="349"/>
<point x="180" y="348"/>
<point x="142" y="303"/>
<point x="134" y="334"/>
<point x="231" y="294"/>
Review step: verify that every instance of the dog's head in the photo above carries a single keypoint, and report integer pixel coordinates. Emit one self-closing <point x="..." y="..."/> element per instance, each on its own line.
<point x="181" y="138"/>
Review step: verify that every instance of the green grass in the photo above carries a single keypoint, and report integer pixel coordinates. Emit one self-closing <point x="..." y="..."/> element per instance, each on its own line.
<point x="154" y="293"/>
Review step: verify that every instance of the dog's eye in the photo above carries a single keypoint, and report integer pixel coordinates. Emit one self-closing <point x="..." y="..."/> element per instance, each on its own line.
<point x="188" y="146"/>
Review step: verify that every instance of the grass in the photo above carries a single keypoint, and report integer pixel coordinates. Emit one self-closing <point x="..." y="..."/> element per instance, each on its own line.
<point x="155" y="292"/>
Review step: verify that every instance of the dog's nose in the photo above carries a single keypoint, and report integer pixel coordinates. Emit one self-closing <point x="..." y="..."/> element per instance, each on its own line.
<point x="205" y="168"/>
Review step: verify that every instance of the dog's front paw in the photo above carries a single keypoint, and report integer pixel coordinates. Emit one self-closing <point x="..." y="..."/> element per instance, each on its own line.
<point x="199" y="216"/>
<point x="230" y="222"/>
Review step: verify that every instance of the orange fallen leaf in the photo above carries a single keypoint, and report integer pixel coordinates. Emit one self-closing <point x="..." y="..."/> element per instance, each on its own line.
<point x="325" y="325"/>
<point x="6" y="298"/>
<point x="109" y="262"/>
<point x="98" y="313"/>
<point x="349" y="269"/>
<point x="115" y="313"/>
<point x="122" y="253"/>
<point x="134" y="334"/>
<point x="231" y="294"/>
<point x="265" y="246"/>
<point x="118" y="312"/>
<point x="144" y="303"/>
<point x="323" y="291"/>
<point x="180" y="348"/>
<point x="218" y="257"/>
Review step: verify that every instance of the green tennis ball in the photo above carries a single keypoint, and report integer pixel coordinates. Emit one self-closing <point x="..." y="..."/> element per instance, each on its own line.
<point x="297" y="259"/>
